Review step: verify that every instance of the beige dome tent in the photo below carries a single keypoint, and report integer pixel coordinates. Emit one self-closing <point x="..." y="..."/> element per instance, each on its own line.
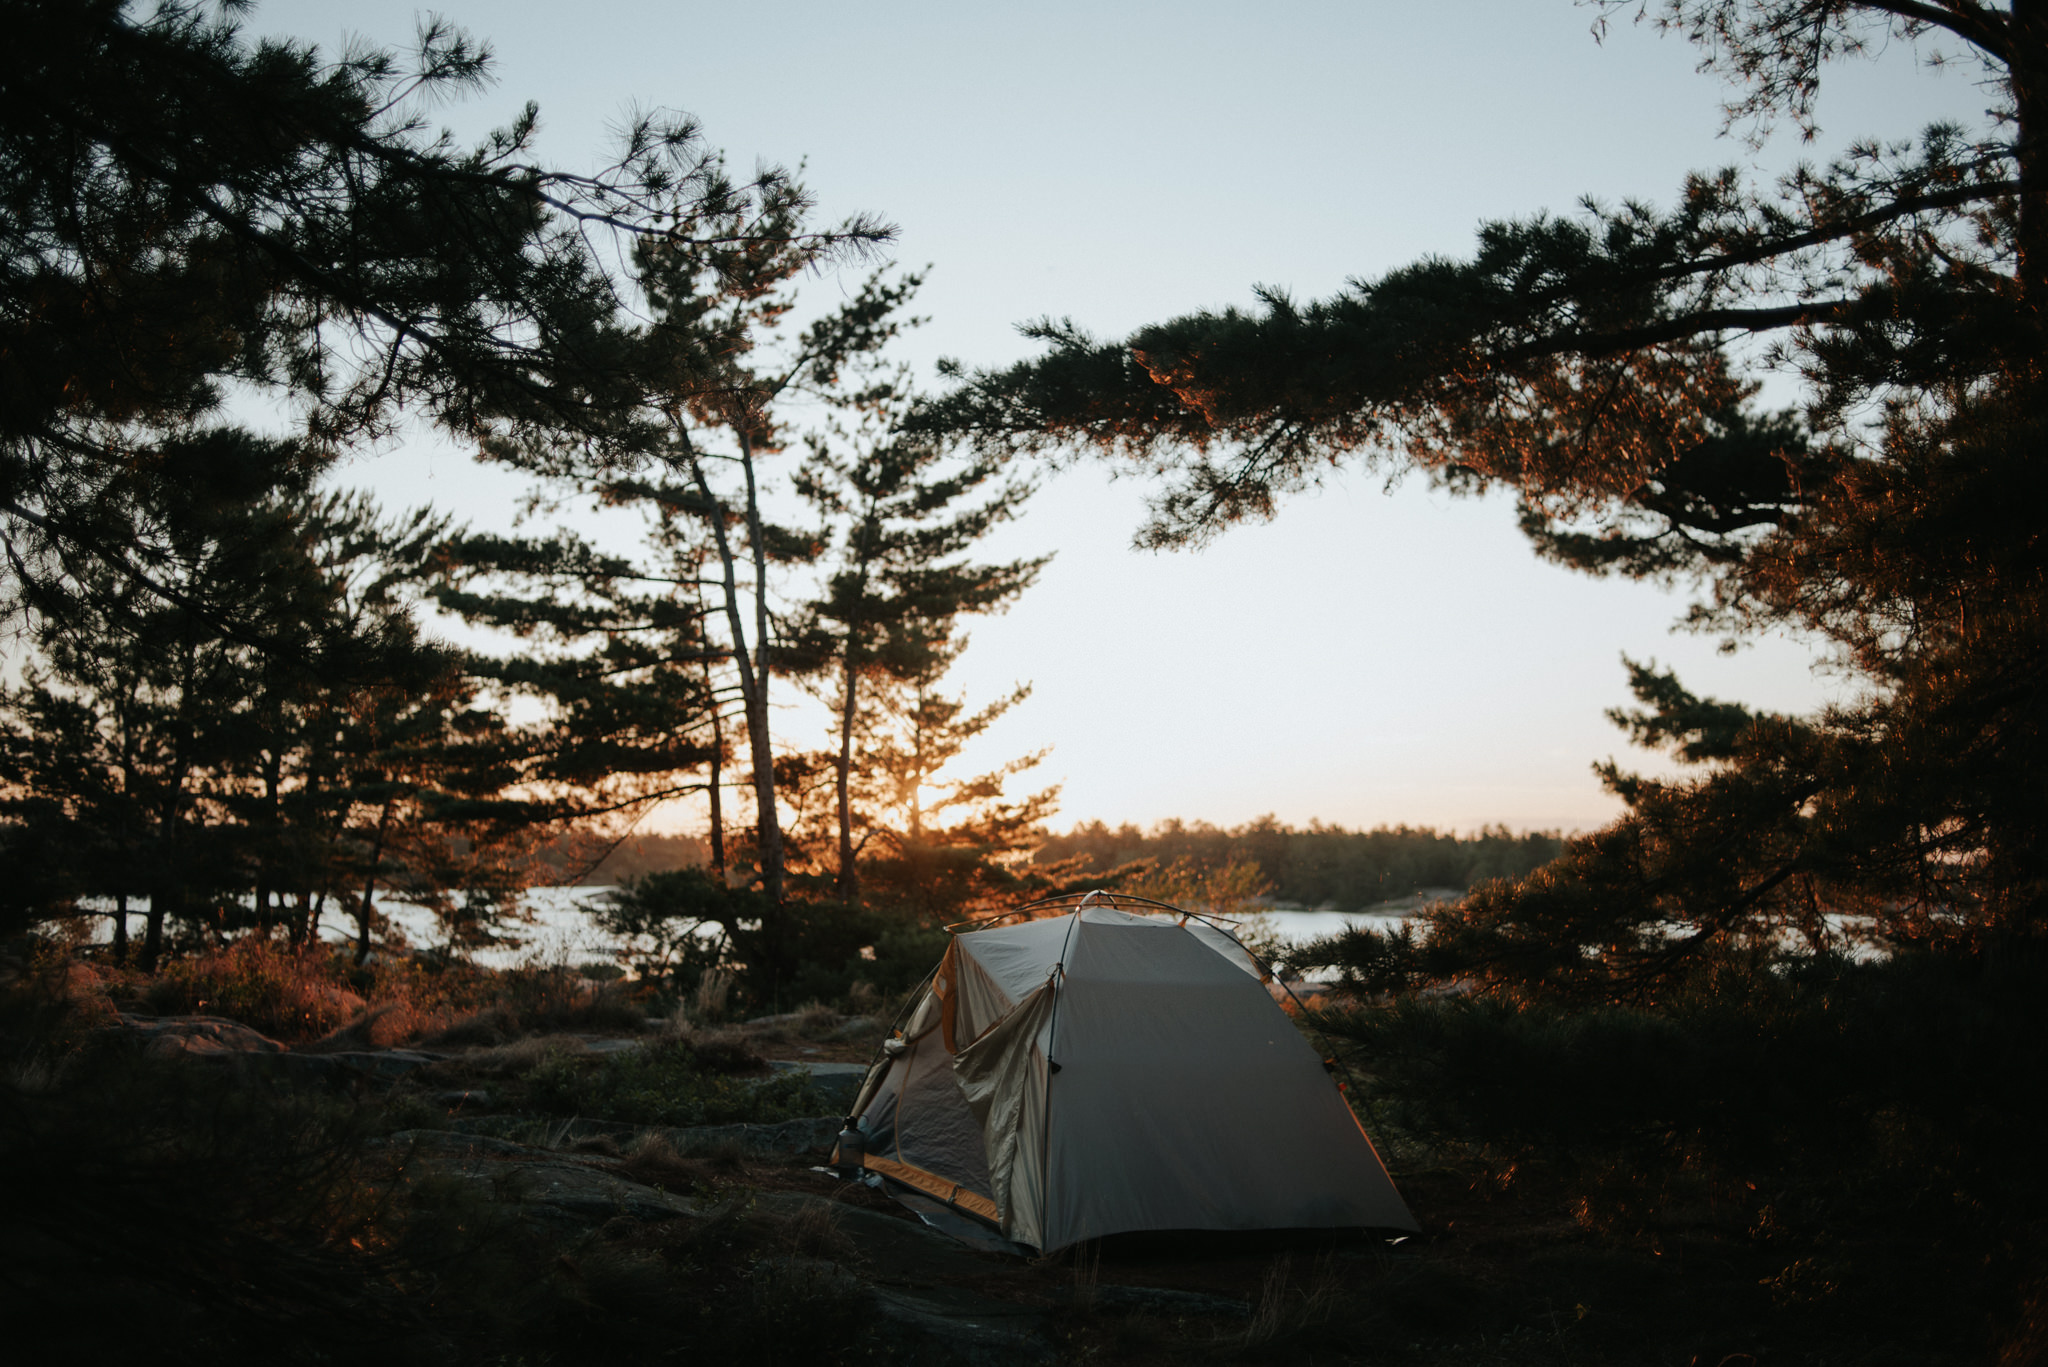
<point x="1104" y="1071"/>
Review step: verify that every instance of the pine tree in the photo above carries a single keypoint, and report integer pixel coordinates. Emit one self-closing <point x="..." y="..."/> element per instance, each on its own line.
<point x="613" y="647"/>
<point x="1583" y="362"/>
<point x="949" y="845"/>
<point x="715" y="379"/>
<point x="152" y="756"/>
<point x="183" y="210"/>
<point x="898" y="581"/>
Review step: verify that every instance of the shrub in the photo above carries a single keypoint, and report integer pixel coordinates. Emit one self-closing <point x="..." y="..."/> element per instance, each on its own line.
<point x="551" y="997"/>
<point x="804" y="951"/>
<point x="1864" y="1129"/>
<point x="238" y="1217"/>
<point x="282" y="991"/>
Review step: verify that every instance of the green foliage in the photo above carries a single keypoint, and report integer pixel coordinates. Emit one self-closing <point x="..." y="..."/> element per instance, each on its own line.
<point x="669" y="1083"/>
<point x="948" y="847"/>
<point x="902" y="514"/>
<point x="231" y="701"/>
<point x="674" y="924"/>
<point x="613" y="648"/>
<point x="189" y="209"/>
<point x="237" y="784"/>
<point x="842" y="947"/>
<point x="540" y="998"/>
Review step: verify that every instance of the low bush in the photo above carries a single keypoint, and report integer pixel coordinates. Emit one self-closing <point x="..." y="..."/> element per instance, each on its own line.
<point x="285" y="992"/>
<point x="548" y="997"/>
<point x="1861" y="1133"/>
<point x="300" y="994"/>
<point x="681" y="928"/>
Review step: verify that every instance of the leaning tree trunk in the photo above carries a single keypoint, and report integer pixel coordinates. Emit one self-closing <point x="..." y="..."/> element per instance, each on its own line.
<point x="753" y="666"/>
<point x="758" y="738"/>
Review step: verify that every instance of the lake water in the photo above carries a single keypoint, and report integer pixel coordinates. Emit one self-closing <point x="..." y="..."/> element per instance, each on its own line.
<point x="563" y="931"/>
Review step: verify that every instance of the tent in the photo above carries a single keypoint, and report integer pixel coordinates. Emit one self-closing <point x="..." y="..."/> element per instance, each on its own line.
<point x="1118" y="1067"/>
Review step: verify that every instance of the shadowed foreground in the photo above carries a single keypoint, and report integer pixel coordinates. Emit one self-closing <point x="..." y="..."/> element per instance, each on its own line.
<point x="602" y="1188"/>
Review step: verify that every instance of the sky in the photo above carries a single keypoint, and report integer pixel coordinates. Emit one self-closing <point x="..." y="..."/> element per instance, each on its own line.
<point x="1372" y="656"/>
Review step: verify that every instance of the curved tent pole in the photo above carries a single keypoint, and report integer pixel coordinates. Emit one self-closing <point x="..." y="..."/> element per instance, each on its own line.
<point x="1116" y="901"/>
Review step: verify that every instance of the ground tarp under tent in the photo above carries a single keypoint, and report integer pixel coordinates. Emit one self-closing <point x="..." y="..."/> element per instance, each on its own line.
<point x="1118" y="1067"/>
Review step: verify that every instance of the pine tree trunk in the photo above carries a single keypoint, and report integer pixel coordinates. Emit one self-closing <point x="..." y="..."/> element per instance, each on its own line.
<point x="849" y="878"/>
<point x="759" y="741"/>
<point x="849" y="712"/>
<point x="364" y="909"/>
<point x="753" y="679"/>
<point x="153" y="926"/>
<point x="717" y="790"/>
<point x="266" y="850"/>
<point x="121" y="927"/>
<point x="164" y="889"/>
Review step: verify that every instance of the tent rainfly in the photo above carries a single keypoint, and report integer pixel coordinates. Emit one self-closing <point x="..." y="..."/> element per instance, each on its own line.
<point x="1102" y="1071"/>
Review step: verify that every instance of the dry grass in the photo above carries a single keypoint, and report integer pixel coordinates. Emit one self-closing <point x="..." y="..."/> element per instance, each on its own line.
<point x="288" y="993"/>
<point x="494" y="1025"/>
<point x="714" y="989"/>
<point x="1283" y="1311"/>
<point x="813" y="1232"/>
<point x="654" y="1161"/>
<point x="515" y="1059"/>
<point x="1087" y="1275"/>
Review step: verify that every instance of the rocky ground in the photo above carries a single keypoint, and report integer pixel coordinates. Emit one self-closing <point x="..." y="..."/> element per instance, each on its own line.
<point x="1506" y="1271"/>
<point x="942" y="1300"/>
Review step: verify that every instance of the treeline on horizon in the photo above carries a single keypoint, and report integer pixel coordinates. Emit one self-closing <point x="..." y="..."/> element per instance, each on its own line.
<point x="1317" y="865"/>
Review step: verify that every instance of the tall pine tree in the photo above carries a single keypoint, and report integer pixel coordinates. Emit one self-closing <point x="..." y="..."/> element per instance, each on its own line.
<point x="903" y="514"/>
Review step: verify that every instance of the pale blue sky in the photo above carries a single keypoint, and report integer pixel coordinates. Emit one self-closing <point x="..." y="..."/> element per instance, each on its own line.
<point x="1367" y="658"/>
